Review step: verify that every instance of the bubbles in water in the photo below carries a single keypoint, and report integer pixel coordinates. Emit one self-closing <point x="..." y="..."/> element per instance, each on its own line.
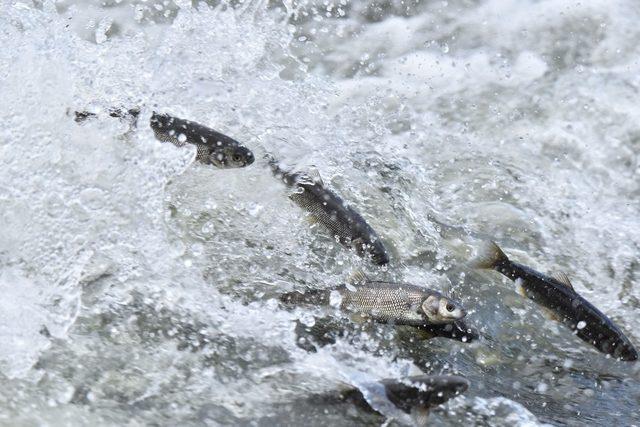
<point x="307" y="319"/>
<point x="335" y="299"/>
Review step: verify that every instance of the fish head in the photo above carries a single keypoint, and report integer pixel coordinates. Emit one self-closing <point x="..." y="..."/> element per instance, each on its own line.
<point x="626" y="353"/>
<point x="373" y="248"/>
<point x="622" y="350"/>
<point x="378" y="253"/>
<point x="231" y="156"/>
<point x="438" y="309"/>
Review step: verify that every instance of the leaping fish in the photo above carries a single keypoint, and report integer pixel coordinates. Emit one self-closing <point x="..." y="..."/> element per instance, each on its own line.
<point x="327" y="208"/>
<point x="557" y="294"/>
<point x="214" y="148"/>
<point x="384" y="302"/>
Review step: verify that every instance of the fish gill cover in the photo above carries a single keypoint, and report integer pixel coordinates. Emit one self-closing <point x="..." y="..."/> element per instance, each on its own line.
<point x="140" y="288"/>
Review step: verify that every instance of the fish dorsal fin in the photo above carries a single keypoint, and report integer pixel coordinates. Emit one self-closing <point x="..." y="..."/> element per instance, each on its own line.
<point x="562" y="278"/>
<point x="314" y="174"/>
<point x="357" y="278"/>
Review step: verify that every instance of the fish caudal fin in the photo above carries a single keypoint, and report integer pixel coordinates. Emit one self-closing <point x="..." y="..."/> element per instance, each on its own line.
<point x="489" y="255"/>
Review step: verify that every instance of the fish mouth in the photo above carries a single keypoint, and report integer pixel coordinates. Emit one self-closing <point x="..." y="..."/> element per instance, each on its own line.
<point x="378" y="253"/>
<point x="249" y="158"/>
<point x="627" y="353"/>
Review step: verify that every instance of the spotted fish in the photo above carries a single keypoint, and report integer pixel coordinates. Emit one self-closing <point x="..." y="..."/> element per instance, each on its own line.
<point x="213" y="147"/>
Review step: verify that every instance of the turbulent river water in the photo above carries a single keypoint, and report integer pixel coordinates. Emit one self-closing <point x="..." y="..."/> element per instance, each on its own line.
<point x="139" y="288"/>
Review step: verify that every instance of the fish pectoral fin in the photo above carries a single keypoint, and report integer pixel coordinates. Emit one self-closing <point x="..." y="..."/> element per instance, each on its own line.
<point x="359" y="318"/>
<point x="520" y="288"/>
<point x="358" y="277"/>
<point x="300" y="198"/>
<point x="423" y="334"/>
<point x="562" y="278"/>
<point x="311" y="220"/>
<point x="359" y="245"/>
<point x="550" y="315"/>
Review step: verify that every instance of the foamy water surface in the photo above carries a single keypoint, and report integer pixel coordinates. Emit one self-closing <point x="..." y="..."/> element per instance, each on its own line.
<point x="141" y="289"/>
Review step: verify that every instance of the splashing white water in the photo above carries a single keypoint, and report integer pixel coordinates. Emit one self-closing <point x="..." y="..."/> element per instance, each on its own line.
<point x="155" y="279"/>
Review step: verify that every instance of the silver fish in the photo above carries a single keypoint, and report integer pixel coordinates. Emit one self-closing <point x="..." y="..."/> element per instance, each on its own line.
<point x="385" y="302"/>
<point x="327" y="208"/>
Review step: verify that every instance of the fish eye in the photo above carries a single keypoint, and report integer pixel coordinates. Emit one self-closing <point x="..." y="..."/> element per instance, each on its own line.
<point x="236" y="157"/>
<point x="450" y="307"/>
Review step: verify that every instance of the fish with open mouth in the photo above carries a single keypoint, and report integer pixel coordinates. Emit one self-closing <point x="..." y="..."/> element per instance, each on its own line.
<point x="213" y="147"/>
<point x="557" y="295"/>
<point x="384" y="302"/>
<point x="327" y="208"/>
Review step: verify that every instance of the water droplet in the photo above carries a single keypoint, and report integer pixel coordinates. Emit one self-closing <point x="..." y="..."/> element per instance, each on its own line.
<point x="581" y="324"/>
<point x="335" y="299"/>
<point x="307" y="319"/>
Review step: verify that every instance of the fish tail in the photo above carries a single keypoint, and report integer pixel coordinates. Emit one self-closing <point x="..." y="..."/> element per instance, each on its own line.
<point x="288" y="177"/>
<point x="313" y="296"/>
<point x="489" y="256"/>
<point x="273" y="164"/>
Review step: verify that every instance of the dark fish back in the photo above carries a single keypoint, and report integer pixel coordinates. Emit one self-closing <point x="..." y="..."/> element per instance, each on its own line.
<point x="193" y="132"/>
